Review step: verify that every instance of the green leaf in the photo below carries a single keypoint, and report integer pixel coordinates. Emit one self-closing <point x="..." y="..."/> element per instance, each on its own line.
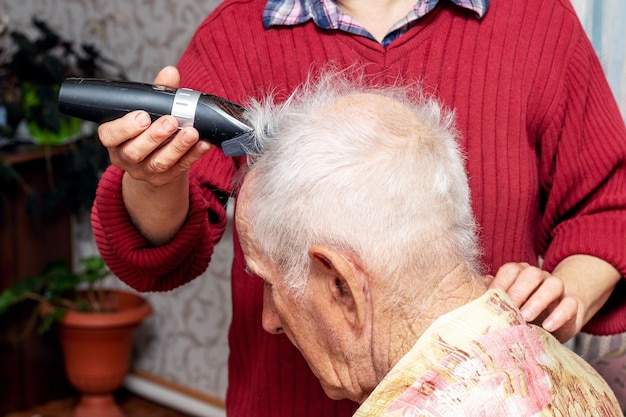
<point x="7" y="299"/>
<point x="20" y="291"/>
<point x="59" y="280"/>
<point x="95" y="269"/>
<point x="50" y="318"/>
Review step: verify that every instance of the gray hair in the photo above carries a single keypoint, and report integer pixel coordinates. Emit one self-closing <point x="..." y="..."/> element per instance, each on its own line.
<point x="386" y="183"/>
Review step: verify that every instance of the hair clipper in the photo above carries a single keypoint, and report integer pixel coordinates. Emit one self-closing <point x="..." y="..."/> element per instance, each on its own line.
<point x="217" y="120"/>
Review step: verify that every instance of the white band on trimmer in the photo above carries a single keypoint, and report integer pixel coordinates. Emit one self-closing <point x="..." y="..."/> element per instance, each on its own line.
<point x="184" y="107"/>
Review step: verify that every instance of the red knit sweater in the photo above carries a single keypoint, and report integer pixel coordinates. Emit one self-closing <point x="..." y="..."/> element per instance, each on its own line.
<point x="544" y="139"/>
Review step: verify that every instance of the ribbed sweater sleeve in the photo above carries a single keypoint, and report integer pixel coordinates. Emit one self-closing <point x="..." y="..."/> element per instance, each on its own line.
<point x="145" y="267"/>
<point x="583" y="170"/>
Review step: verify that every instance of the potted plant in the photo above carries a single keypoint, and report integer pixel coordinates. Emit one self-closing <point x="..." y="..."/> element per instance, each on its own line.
<point x="95" y="326"/>
<point x="31" y="72"/>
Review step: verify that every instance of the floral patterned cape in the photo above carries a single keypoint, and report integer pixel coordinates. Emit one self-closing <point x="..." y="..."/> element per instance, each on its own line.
<point x="483" y="359"/>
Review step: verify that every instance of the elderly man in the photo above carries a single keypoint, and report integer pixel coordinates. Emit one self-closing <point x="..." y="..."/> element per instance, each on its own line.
<point x="356" y="214"/>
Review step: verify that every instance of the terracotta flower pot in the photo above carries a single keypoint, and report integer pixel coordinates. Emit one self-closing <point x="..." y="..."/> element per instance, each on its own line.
<point x="96" y="349"/>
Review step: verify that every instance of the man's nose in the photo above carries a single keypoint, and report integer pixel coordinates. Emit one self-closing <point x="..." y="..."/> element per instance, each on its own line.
<point x="270" y="318"/>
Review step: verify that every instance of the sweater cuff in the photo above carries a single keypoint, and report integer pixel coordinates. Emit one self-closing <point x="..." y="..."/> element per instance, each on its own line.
<point x="604" y="236"/>
<point x="611" y="319"/>
<point x="133" y="259"/>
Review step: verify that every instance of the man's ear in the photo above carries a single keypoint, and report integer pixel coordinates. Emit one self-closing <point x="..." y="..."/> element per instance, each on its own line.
<point x="344" y="280"/>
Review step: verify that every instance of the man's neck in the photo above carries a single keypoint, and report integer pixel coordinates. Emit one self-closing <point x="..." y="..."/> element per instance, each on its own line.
<point x="377" y="16"/>
<point x="453" y="289"/>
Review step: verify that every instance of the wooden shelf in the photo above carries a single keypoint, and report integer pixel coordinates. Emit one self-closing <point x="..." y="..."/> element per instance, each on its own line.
<point x="20" y="153"/>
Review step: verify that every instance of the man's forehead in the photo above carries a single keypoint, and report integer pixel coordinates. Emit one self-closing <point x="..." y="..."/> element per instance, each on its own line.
<point x="241" y="218"/>
<point x="255" y="260"/>
<point x="243" y="200"/>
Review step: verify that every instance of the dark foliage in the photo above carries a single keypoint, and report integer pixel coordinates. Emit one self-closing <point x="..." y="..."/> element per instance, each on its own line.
<point x="30" y="77"/>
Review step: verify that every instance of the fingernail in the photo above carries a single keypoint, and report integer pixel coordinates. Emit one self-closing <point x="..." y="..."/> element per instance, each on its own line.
<point x="548" y="325"/>
<point x="168" y="124"/>
<point x="142" y="119"/>
<point x="527" y="314"/>
<point x="187" y="138"/>
<point x="204" y="145"/>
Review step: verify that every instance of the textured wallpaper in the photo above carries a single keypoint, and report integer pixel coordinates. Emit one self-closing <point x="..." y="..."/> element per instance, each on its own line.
<point x="185" y="341"/>
<point x="142" y="35"/>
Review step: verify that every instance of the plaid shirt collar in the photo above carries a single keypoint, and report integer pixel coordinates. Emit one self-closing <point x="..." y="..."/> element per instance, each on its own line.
<point x="327" y="15"/>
